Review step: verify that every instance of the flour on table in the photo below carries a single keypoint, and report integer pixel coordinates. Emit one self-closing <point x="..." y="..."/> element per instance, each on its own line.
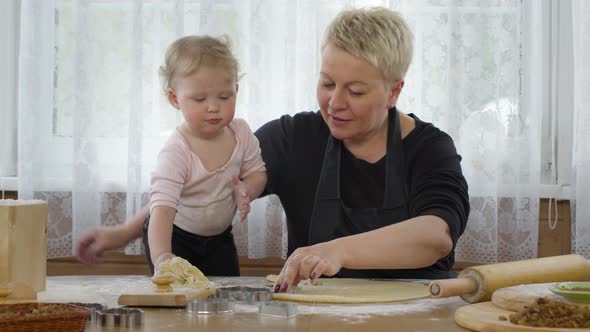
<point x="359" y="313"/>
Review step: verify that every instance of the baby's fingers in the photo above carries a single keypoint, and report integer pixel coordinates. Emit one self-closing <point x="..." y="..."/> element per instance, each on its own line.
<point x="234" y="180"/>
<point x="244" y="212"/>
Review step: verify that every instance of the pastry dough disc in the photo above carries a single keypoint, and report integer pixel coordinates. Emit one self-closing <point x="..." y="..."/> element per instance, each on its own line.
<point x="341" y="290"/>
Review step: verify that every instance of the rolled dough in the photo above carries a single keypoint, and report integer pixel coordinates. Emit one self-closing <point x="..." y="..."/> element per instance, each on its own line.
<point x="337" y="290"/>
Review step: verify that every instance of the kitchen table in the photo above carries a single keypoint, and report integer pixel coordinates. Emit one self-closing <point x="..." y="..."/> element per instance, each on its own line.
<point x="415" y="315"/>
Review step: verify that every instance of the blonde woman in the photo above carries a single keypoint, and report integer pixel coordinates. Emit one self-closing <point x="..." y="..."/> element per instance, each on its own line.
<point x="368" y="191"/>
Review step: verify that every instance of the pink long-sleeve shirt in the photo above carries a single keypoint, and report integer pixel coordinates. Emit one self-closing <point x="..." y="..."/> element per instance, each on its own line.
<point x="204" y="200"/>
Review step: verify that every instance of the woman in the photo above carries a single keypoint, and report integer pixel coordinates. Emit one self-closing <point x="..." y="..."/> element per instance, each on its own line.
<point x="368" y="191"/>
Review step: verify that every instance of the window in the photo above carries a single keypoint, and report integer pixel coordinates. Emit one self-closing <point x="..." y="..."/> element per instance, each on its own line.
<point x="96" y="55"/>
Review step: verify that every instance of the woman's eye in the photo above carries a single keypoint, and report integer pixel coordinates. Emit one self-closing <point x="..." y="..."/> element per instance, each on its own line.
<point x="199" y="100"/>
<point x="328" y="85"/>
<point x="224" y="97"/>
<point x="356" y="93"/>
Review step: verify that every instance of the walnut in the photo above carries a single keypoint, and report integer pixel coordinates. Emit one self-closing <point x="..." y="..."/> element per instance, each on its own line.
<point x="545" y="312"/>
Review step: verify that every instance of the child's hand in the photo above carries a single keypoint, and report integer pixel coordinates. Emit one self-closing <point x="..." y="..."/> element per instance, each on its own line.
<point x="242" y="198"/>
<point x="92" y="245"/>
<point x="160" y="259"/>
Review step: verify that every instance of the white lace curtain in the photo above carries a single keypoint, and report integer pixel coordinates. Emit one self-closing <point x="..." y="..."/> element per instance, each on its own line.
<point x="8" y="71"/>
<point x="92" y="116"/>
<point x="581" y="156"/>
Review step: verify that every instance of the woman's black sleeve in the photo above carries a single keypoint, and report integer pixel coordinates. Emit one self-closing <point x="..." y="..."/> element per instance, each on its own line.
<point x="437" y="184"/>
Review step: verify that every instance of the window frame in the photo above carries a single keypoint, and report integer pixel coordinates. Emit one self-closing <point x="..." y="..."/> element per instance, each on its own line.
<point x="557" y="106"/>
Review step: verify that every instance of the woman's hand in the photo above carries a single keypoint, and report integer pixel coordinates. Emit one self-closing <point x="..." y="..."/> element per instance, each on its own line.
<point x="310" y="263"/>
<point x="241" y="196"/>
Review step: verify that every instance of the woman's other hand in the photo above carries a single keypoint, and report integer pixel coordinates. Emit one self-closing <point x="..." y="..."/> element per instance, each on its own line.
<point x="310" y="263"/>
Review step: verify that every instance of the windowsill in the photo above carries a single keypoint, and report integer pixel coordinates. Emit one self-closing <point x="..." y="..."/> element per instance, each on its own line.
<point x="556" y="191"/>
<point x="545" y="190"/>
<point x="117" y="263"/>
<point x="8" y="183"/>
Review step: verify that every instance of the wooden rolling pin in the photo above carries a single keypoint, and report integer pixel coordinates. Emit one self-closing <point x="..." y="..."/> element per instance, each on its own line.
<point x="478" y="283"/>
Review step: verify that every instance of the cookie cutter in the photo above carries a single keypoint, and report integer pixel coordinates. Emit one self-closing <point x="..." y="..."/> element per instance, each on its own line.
<point x="120" y="317"/>
<point x="250" y="295"/>
<point x="213" y="305"/>
<point x="277" y="309"/>
<point x="92" y="307"/>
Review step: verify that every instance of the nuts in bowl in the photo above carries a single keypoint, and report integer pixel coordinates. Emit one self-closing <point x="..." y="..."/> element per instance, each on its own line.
<point x="42" y="317"/>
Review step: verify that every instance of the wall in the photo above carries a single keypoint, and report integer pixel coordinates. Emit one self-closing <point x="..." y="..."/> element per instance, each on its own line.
<point x="118" y="263"/>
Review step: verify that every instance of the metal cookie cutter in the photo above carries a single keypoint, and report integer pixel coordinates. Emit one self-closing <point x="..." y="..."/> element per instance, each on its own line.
<point x="120" y="317"/>
<point x="277" y="309"/>
<point x="214" y="305"/>
<point x="250" y="295"/>
<point x="92" y="307"/>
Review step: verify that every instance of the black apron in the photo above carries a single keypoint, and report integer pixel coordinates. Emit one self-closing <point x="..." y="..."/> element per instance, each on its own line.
<point x="213" y="255"/>
<point x="332" y="219"/>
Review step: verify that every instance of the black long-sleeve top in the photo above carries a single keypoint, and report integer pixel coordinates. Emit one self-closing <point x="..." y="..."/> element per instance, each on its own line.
<point x="293" y="148"/>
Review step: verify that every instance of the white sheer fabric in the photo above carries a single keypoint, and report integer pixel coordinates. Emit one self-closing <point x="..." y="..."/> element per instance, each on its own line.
<point x="466" y="78"/>
<point x="8" y="79"/>
<point x="92" y="116"/>
<point x="581" y="159"/>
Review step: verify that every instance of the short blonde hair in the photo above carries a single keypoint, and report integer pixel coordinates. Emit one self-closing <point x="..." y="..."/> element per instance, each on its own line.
<point x="378" y="35"/>
<point x="187" y="54"/>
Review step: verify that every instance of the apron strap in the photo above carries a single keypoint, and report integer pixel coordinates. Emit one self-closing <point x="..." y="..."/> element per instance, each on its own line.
<point x="329" y="183"/>
<point x="396" y="191"/>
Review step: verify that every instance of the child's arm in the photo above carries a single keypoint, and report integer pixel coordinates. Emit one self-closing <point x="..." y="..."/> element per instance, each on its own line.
<point x="247" y="190"/>
<point x="255" y="184"/>
<point x="160" y="234"/>
<point x="93" y="244"/>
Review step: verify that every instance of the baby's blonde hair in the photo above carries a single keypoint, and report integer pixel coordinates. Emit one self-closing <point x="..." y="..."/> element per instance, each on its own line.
<point x="187" y="54"/>
<point x="378" y="35"/>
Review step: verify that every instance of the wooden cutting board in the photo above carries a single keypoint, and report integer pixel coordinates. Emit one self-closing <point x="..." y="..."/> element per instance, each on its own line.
<point x="484" y="317"/>
<point x="516" y="297"/>
<point x="177" y="298"/>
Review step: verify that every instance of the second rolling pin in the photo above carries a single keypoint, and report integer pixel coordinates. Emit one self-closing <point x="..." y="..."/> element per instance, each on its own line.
<point x="478" y="283"/>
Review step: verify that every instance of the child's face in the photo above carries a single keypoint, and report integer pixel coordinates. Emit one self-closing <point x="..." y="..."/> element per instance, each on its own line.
<point x="206" y="98"/>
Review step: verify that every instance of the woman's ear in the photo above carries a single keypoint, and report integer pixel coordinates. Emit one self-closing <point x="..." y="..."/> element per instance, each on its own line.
<point x="396" y="89"/>
<point x="172" y="98"/>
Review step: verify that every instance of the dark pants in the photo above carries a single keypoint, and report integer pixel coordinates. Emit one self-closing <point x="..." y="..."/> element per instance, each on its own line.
<point x="213" y="255"/>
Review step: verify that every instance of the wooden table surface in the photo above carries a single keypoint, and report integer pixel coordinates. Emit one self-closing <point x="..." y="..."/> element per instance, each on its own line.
<point x="416" y="315"/>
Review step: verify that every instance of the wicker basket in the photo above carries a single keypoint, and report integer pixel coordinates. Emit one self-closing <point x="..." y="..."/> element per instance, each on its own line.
<point x="68" y="317"/>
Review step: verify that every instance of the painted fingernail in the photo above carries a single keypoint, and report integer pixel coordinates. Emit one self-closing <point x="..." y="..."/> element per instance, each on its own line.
<point x="312" y="276"/>
<point x="285" y="286"/>
<point x="277" y="288"/>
